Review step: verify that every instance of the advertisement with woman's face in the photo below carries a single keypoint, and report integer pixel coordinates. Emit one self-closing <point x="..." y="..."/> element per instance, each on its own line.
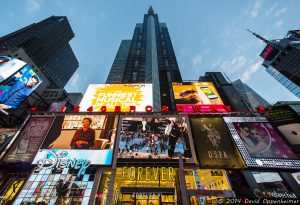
<point x="262" y="141"/>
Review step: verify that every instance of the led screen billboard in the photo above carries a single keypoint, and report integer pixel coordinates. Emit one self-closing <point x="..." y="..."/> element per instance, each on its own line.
<point x="214" y="146"/>
<point x="201" y="95"/>
<point x="5" y="136"/>
<point x="15" y="89"/>
<point x="123" y="95"/>
<point x="81" y="136"/>
<point x="287" y="121"/>
<point x="154" y="137"/>
<point x="260" y="144"/>
<point x="29" y="140"/>
<point x="8" y="66"/>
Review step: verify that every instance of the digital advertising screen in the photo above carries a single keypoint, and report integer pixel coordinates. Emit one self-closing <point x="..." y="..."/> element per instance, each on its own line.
<point x="111" y="95"/>
<point x="154" y="137"/>
<point x="214" y="145"/>
<point x="193" y="95"/>
<point x="269" y="52"/>
<point x="89" y="137"/>
<point x="8" y="66"/>
<point x="5" y="136"/>
<point x="287" y="121"/>
<point x="260" y="144"/>
<point x="29" y="140"/>
<point x="57" y="106"/>
<point x="15" y="89"/>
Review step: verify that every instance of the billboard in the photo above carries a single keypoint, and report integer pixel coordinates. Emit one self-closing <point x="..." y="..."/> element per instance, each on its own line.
<point x="8" y="66"/>
<point x="259" y="143"/>
<point x="214" y="146"/>
<point x="269" y="52"/>
<point x="82" y="137"/>
<point x="287" y="121"/>
<point x="5" y="136"/>
<point x="154" y="137"/>
<point x="15" y="89"/>
<point x="200" y="96"/>
<point x="123" y="95"/>
<point x="29" y="140"/>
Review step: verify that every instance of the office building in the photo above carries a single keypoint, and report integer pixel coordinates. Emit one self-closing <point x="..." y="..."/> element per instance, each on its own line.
<point x="148" y="58"/>
<point x="282" y="60"/>
<point x="47" y="44"/>
<point x="249" y="96"/>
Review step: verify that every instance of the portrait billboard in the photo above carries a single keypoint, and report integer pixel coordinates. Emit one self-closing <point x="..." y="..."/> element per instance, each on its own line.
<point x="287" y="121"/>
<point x="81" y="136"/>
<point x="154" y="137"/>
<point x="29" y="140"/>
<point x="192" y="95"/>
<point x="123" y="95"/>
<point x="214" y="145"/>
<point x="8" y="66"/>
<point x="15" y="89"/>
<point x="260" y="144"/>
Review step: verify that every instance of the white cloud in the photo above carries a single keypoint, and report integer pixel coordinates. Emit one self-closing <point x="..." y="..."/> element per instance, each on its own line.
<point x="250" y="70"/>
<point x="33" y="6"/>
<point x="197" y="60"/>
<point x="281" y="11"/>
<point x="271" y="10"/>
<point x="278" y="24"/>
<point x="255" y="9"/>
<point x="233" y="65"/>
<point x="77" y="81"/>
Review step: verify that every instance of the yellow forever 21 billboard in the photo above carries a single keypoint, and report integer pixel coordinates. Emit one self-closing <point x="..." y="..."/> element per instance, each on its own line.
<point x="112" y="95"/>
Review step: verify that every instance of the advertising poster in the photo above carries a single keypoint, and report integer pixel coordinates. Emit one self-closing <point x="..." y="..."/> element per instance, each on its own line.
<point x="58" y="185"/>
<point x="15" y="89"/>
<point x="82" y="137"/>
<point x="287" y="122"/>
<point x="111" y="95"/>
<point x="296" y="176"/>
<point x="29" y="141"/>
<point x="214" y="145"/>
<point x="197" y="96"/>
<point x="154" y="137"/>
<point x="5" y="136"/>
<point x="8" y="66"/>
<point x="260" y="144"/>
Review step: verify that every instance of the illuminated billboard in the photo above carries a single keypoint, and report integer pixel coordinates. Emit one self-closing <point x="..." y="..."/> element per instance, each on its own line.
<point x="123" y="95"/>
<point x="259" y="143"/>
<point x="8" y="66"/>
<point x="154" y="137"/>
<point x="15" y="89"/>
<point x="269" y="52"/>
<point x="82" y="137"/>
<point x="5" y="136"/>
<point x="29" y="140"/>
<point x="197" y="96"/>
<point x="214" y="146"/>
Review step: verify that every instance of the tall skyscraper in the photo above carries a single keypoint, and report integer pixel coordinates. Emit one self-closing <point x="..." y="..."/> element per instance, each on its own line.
<point x="47" y="44"/>
<point x="249" y="96"/>
<point x="148" y="58"/>
<point x="282" y="60"/>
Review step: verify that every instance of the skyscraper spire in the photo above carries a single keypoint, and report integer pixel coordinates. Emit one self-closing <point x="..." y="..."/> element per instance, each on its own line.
<point x="150" y="11"/>
<point x="260" y="37"/>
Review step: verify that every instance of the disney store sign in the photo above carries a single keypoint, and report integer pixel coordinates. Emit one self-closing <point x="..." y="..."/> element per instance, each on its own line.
<point x="61" y="160"/>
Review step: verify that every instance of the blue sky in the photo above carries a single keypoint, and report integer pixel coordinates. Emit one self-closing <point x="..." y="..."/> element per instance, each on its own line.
<point x="207" y="35"/>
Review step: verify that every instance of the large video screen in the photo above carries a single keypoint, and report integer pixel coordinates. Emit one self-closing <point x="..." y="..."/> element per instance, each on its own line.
<point x="81" y="136"/>
<point x="5" y="136"/>
<point x="111" y="95"/>
<point x="29" y="140"/>
<point x="154" y="137"/>
<point x="15" y="89"/>
<point x="214" y="145"/>
<point x="197" y="96"/>
<point x="8" y="66"/>
<point x="260" y="144"/>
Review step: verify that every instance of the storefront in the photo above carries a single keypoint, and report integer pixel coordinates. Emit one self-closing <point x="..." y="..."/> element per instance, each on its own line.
<point x="207" y="186"/>
<point x="146" y="186"/>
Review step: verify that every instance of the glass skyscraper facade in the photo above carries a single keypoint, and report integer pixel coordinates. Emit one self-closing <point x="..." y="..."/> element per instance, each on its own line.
<point x="47" y="44"/>
<point x="148" y="58"/>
